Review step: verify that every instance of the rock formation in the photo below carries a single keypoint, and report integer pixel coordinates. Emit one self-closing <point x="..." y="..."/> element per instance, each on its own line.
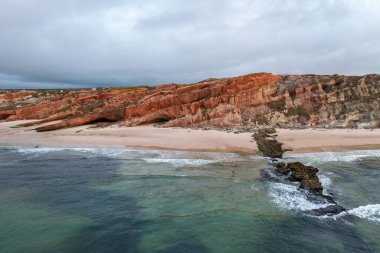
<point x="293" y="171"/>
<point x="306" y="175"/>
<point x="254" y="100"/>
<point x="267" y="142"/>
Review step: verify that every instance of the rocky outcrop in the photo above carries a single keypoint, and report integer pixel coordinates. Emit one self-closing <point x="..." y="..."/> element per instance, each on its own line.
<point x="112" y="116"/>
<point x="267" y="143"/>
<point x="306" y="175"/>
<point x="6" y="114"/>
<point x="250" y="100"/>
<point x="293" y="171"/>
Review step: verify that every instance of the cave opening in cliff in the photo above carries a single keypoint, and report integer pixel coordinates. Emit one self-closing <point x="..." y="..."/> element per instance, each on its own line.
<point x="103" y="120"/>
<point x="157" y="120"/>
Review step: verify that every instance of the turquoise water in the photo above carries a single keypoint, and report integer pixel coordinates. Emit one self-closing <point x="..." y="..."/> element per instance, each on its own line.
<point x="119" y="200"/>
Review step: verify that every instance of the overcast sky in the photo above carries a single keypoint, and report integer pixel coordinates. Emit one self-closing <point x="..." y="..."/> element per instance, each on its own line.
<point x="76" y="43"/>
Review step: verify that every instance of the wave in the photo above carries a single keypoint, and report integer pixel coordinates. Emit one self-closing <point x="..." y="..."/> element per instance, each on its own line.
<point x="349" y="156"/>
<point x="180" y="162"/>
<point x="176" y="158"/>
<point x="368" y="212"/>
<point x="181" y="158"/>
<point x="290" y="198"/>
<point x="325" y="181"/>
<point x="108" y="152"/>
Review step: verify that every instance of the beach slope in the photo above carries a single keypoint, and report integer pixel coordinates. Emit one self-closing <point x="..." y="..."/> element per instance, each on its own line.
<point x="150" y="137"/>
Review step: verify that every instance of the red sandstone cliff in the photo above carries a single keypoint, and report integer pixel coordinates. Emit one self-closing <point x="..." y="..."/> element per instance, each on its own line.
<point x="255" y="99"/>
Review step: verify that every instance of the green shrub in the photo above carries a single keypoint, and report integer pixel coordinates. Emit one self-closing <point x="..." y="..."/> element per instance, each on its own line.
<point x="89" y="108"/>
<point x="278" y="105"/>
<point x="8" y="107"/>
<point x="261" y="120"/>
<point x="63" y="109"/>
<point x="299" y="111"/>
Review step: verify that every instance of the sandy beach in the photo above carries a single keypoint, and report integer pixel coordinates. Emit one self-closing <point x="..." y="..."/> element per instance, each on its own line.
<point x="150" y="137"/>
<point x="321" y="140"/>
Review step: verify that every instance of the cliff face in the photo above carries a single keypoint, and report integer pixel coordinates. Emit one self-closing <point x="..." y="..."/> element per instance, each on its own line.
<point x="255" y="99"/>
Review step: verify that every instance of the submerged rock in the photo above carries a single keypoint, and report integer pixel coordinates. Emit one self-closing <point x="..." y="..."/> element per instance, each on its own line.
<point x="329" y="210"/>
<point x="268" y="175"/>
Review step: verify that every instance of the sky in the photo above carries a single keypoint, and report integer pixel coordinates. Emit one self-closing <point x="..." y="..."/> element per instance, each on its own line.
<point x="91" y="43"/>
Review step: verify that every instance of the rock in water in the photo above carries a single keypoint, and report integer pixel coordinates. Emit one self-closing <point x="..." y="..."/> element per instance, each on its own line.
<point x="307" y="175"/>
<point x="293" y="171"/>
<point x="329" y="210"/>
<point x="282" y="168"/>
<point x="268" y="175"/>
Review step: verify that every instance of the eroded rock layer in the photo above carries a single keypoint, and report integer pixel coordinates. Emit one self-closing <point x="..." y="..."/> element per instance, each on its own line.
<point x="255" y="99"/>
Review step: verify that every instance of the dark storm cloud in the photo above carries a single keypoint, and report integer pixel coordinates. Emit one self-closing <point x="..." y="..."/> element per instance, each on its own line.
<point x="51" y="43"/>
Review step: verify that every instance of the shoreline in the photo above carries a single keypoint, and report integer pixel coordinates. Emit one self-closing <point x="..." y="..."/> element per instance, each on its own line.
<point x="181" y="139"/>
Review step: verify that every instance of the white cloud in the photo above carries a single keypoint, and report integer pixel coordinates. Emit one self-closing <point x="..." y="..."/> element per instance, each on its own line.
<point x="135" y="42"/>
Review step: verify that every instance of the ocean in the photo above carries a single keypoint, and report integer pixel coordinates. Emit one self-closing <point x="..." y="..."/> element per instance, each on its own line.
<point x="123" y="200"/>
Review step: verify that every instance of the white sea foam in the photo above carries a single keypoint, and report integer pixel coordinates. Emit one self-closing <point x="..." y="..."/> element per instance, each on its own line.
<point x="109" y="152"/>
<point x="349" y="156"/>
<point x="290" y="198"/>
<point x="106" y="150"/>
<point x="179" y="162"/>
<point x="368" y="212"/>
<point x="183" y="158"/>
<point x="31" y="153"/>
<point x="325" y="181"/>
<point x="181" y="175"/>
<point x="254" y="187"/>
<point x="176" y="158"/>
<point x="37" y="150"/>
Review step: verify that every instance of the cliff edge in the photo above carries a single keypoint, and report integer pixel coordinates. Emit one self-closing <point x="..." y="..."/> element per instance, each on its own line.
<point x="252" y="100"/>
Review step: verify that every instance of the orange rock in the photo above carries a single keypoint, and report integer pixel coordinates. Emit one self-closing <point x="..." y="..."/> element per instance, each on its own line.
<point x="254" y="99"/>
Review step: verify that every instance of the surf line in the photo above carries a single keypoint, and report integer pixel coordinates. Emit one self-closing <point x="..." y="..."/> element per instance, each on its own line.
<point x="280" y="171"/>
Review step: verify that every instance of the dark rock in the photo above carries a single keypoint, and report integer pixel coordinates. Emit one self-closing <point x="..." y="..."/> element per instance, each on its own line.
<point x="329" y="199"/>
<point x="329" y="210"/>
<point x="312" y="184"/>
<point x="268" y="175"/>
<point x="267" y="143"/>
<point x="282" y="168"/>
<point x="273" y="161"/>
<point x="301" y="171"/>
<point x="306" y="175"/>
